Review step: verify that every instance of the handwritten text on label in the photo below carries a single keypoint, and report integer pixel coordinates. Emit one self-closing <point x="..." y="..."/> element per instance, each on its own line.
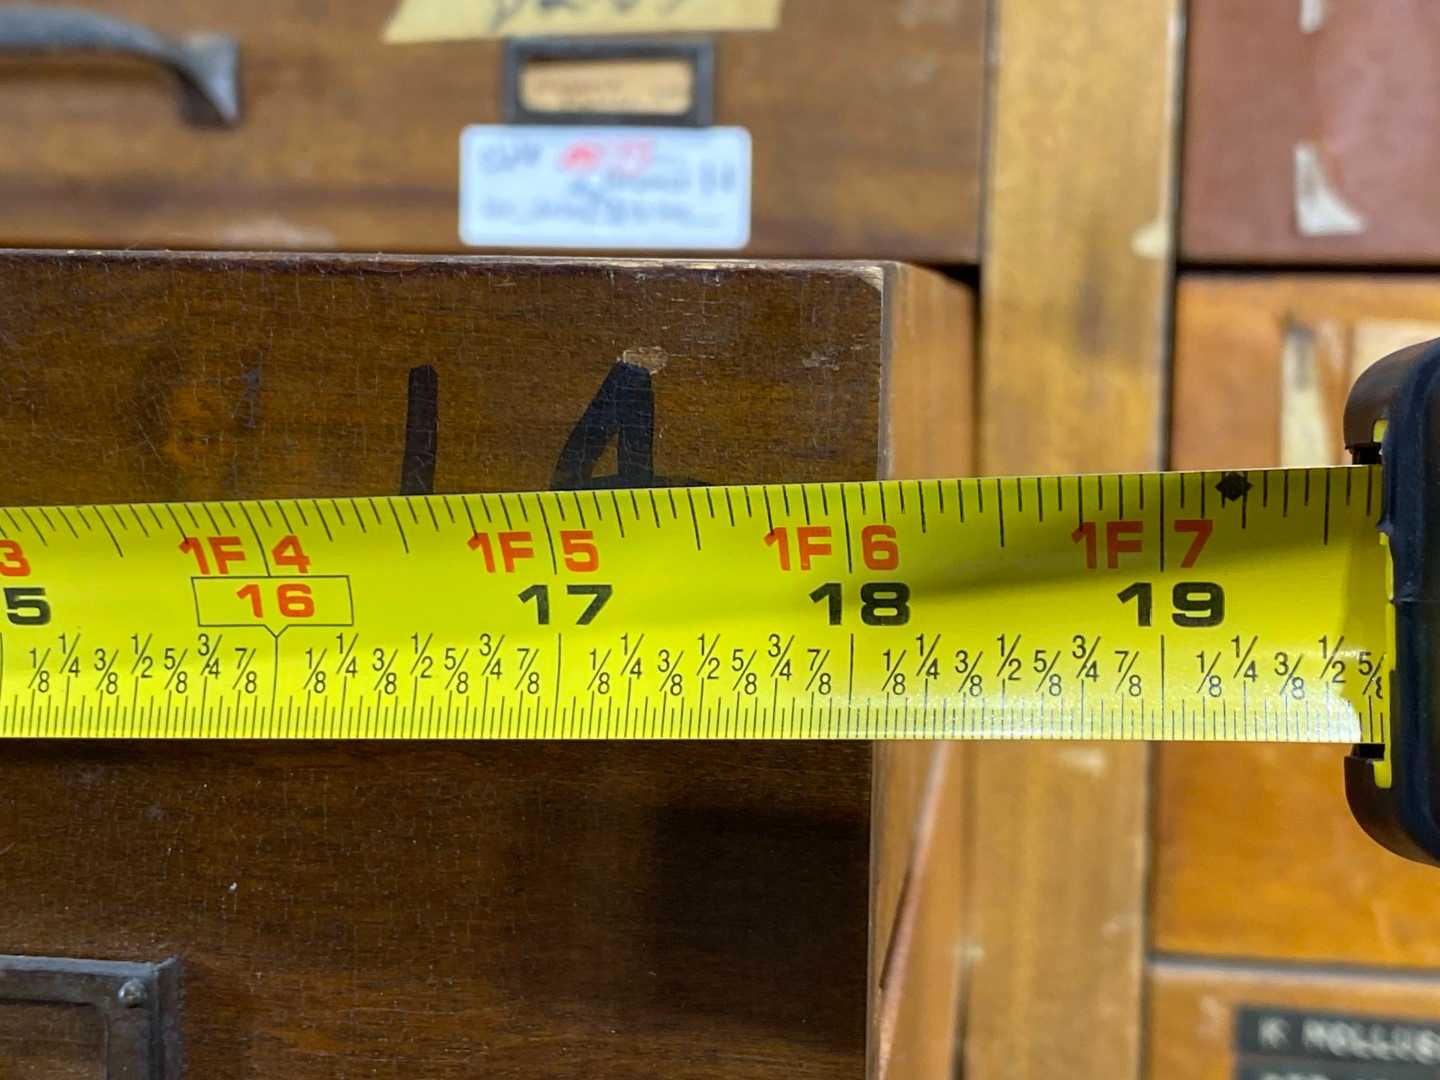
<point x="451" y="20"/>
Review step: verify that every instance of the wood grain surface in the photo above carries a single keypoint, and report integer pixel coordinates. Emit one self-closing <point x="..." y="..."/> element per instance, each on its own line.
<point x="918" y="925"/>
<point x="689" y="910"/>
<point x="866" y="117"/>
<point x="1256" y="854"/>
<point x="1307" y="136"/>
<point x="51" y="1042"/>
<point x="1074" y="356"/>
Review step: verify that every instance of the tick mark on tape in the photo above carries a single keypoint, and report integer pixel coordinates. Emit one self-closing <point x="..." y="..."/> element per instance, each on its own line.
<point x="1233" y="486"/>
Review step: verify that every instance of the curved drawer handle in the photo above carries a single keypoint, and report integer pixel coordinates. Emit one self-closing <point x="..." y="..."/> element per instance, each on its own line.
<point x="207" y="65"/>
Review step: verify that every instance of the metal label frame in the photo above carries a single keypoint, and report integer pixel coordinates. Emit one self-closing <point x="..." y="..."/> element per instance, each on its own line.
<point x="137" y="1003"/>
<point x="698" y="53"/>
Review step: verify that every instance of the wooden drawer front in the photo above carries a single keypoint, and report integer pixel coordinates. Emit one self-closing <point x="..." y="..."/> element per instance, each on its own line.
<point x="869" y="145"/>
<point x="1255" y="850"/>
<point x="1308" y="134"/>
<point x="550" y="910"/>
<point x="687" y="910"/>
<point x="213" y="377"/>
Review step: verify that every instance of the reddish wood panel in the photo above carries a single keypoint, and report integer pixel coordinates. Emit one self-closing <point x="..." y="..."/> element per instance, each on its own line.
<point x="871" y="146"/>
<point x="1308" y="133"/>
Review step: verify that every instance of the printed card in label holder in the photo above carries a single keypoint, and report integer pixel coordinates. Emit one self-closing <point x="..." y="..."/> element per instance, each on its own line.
<point x="1290" y="1044"/>
<point x="612" y="188"/>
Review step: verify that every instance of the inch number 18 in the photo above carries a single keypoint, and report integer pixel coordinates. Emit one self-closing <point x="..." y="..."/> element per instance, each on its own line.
<point x="882" y="603"/>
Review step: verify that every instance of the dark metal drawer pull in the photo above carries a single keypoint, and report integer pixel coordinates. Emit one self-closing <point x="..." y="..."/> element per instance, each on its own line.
<point x="207" y="65"/>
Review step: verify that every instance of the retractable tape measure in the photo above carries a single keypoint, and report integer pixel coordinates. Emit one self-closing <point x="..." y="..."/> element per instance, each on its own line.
<point x="1161" y="606"/>
<point x="1275" y="605"/>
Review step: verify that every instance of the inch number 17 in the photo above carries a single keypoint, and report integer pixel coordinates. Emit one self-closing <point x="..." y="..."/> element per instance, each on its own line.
<point x="539" y="595"/>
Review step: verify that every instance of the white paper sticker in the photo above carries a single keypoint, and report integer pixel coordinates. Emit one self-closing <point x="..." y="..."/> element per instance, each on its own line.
<point x="605" y="187"/>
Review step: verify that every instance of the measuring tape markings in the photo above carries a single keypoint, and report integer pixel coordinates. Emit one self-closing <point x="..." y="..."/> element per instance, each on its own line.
<point x="1157" y="606"/>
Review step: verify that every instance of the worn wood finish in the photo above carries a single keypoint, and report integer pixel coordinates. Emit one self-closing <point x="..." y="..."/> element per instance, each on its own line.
<point x="1306" y="132"/>
<point x="1193" y="1007"/>
<point x="1073" y="361"/>
<point x="690" y="910"/>
<point x="921" y="944"/>
<point x="871" y="146"/>
<point x="918" y="929"/>
<point x="1256" y="853"/>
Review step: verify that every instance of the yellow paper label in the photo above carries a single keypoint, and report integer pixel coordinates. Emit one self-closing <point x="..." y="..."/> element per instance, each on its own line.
<point x="652" y="87"/>
<point x="453" y="20"/>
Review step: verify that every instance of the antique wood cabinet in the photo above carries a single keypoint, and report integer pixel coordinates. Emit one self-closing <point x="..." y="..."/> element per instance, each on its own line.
<point x="865" y="117"/>
<point x="452" y="909"/>
<point x="1264" y="892"/>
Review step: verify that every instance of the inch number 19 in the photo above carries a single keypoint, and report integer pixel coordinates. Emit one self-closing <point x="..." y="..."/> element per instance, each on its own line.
<point x="1196" y="603"/>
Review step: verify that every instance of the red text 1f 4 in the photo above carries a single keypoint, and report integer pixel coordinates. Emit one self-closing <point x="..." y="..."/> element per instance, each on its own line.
<point x="222" y="554"/>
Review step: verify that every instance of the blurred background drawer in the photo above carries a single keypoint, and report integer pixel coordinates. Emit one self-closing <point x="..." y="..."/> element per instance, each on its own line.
<point x="1256" y="854"/>
<point x="1310" y="133"/>
<point x="865" y="116"/>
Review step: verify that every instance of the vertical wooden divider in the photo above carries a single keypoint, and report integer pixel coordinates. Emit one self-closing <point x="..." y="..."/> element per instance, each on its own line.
<point x="1077" y="285"/>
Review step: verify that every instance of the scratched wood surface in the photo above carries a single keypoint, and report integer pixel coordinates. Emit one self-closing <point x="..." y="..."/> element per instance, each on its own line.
<point x="697" y="910"/>
<point x="871" y="146"/>
<point x="1306" y="132"/>
<point x="1256" y="854"/>
<point x="1073" y="362"/>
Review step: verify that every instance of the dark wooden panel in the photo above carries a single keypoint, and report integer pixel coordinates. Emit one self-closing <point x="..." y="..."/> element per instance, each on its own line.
<point x="558" y="910"/>
<point x="866" y="119"/>
<point x="1308" y="133"/>
<point x="1255" y="850"/>
<point x="211" y="377"/>
<point x="689" y="910"/>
